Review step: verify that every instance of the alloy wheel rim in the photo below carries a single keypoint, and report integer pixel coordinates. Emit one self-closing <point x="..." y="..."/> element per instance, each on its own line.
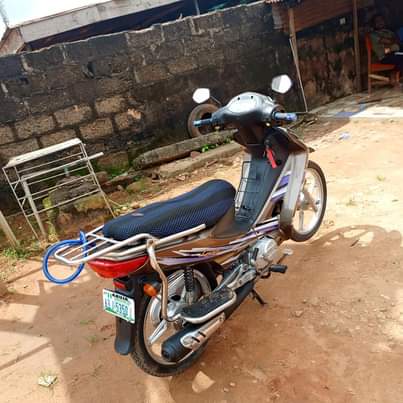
<point x="311" y="198"/>
<point x="176" y="295"/>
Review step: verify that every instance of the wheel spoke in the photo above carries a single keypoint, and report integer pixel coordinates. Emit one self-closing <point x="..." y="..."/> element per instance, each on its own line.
<point x="158" y="332"/>
<point x="311" y="186"/>
<point x="301" y="220"/>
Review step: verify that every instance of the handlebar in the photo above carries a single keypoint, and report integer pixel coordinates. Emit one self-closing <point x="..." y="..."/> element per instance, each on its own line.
<point x="287" y="117"/>
<point x="203" y="122"/>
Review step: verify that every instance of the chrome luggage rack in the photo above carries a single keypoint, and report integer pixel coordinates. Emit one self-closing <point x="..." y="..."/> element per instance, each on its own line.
<point x="95" y="245"/>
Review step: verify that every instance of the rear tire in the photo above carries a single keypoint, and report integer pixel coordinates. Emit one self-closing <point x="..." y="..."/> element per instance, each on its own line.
<point x="141" y="354"/>
<point x="298" y="236"/>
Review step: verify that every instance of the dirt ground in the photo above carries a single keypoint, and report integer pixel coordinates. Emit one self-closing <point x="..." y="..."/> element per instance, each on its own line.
<point x="332" y="332"/>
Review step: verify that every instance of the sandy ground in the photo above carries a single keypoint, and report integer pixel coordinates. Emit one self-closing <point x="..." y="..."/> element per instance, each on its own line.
<point x="333" y="330"/>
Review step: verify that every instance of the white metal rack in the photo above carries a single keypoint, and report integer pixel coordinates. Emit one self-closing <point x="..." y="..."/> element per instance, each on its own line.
<point x="32" y="176"/>
<point x="96" y="245"/>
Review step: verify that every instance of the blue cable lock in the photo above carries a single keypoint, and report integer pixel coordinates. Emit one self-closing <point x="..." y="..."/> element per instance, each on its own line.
<point x="52" y="250"/>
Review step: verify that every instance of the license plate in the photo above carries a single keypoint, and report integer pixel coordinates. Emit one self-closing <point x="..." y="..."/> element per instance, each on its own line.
<point x="119" y="305"/>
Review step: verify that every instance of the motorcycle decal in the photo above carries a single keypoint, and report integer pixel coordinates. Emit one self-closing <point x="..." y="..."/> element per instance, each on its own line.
<point x="201" y="254"/>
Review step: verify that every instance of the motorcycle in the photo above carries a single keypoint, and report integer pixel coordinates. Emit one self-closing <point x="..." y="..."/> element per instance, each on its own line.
<point x="182" y="267"/>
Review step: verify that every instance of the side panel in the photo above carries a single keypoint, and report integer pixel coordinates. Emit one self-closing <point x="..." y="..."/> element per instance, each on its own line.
<point x="298" y="164"/>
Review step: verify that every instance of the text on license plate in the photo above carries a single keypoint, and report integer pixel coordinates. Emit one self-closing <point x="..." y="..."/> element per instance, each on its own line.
<point x="119" y="305"/>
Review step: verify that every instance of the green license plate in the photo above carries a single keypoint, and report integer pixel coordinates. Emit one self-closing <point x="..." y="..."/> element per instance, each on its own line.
<point x="119" y="305"/>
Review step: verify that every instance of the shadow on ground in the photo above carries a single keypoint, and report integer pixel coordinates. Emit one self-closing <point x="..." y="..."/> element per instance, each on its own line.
<point x="350" y="332"/>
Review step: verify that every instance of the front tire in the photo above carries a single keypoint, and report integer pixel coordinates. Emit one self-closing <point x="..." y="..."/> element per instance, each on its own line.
<point x="313" y="196"/>
<point x="203" y="111"/>
<point x="142" y="355"/>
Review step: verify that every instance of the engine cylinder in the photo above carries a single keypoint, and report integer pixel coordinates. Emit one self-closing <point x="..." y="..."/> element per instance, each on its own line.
<point x="267" y="251"/>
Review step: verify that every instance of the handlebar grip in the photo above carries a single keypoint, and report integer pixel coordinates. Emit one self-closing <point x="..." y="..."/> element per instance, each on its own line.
<point x="202" y="122"/>
<point x="287" y="117"/>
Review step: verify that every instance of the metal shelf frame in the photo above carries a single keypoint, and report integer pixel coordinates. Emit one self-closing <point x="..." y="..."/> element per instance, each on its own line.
<point x="32" y="176"/>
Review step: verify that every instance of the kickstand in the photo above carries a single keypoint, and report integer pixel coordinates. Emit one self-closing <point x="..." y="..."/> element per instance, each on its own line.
<point x="258" y="298"/>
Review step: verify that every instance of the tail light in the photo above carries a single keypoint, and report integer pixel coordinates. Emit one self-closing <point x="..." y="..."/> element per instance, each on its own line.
<point x="112" y="269"/>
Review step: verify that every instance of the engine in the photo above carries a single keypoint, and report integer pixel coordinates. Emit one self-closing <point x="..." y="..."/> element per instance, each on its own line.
<point x="267" y="252"/>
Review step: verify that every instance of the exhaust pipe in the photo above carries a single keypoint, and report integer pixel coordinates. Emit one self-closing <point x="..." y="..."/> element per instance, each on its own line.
<point x="192" y="337"/>
<point x="189" y="339"/>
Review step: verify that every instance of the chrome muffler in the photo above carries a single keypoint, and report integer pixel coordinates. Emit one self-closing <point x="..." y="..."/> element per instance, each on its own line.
<point x="189" y="339"/>
<point x="193" y="340"/>
<point x="192" y="337"/>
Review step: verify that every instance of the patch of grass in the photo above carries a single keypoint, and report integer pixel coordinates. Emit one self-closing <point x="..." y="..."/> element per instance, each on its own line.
<point x="16" y="253"/>
<point x="381" y="178"/>
<point x="208" y="147"/>
<point x="113" y="172"/>
<point x="93" y="339"/>
<point x="138" y="186"/>
<point x="142" y="185"/>
<point x="81" y="172"/>
<point x="351" y="202"/>
<point x="37" y="247"/>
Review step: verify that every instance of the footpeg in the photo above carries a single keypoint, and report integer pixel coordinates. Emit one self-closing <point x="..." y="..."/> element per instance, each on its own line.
<point x="209" y="306"/>
<point x="278" y="268"/>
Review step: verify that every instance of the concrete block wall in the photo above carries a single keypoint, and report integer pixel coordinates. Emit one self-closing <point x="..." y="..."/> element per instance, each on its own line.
<point x="132" y="90"/>
<point x="326" y="55"/>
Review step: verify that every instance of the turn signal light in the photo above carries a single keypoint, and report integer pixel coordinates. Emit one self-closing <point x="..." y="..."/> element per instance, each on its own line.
<point x="150" y="290"/>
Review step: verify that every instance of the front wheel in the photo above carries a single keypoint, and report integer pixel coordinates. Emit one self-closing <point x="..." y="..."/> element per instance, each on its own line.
<point x="151" y="330"/>
<point x="203" y="111"/>
<point x="311" y="204"/>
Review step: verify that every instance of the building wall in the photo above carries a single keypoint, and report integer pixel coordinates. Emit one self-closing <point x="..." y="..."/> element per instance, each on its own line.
<point x="132" y="90"/>
<point x="326" y="56"/>
<point x="12" y="43"/>
<point x="326" y="45"/>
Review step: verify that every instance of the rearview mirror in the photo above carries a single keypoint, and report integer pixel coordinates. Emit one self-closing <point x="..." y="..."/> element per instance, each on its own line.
<point x="201" y="95"/>
<point x="281" y="84"/>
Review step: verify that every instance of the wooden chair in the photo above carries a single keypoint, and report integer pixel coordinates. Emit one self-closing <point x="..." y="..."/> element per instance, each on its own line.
<point x="379" y="67"/>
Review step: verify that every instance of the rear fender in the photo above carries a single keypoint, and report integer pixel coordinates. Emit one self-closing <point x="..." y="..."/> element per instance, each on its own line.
<point x="124" y="338"/>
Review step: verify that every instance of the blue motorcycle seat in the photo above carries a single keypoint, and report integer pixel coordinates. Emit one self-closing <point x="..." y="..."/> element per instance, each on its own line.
<point x="205" y="204"/>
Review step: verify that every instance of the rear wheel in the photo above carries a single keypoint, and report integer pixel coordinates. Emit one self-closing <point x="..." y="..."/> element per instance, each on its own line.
<point x="311" y="204"/>
<point x="151" y="330"/>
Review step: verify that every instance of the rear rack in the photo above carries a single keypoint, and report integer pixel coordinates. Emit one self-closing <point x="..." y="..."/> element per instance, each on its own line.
<point x="96" y="245"/>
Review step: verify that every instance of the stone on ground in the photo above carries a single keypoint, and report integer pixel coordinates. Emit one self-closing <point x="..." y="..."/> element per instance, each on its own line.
<point x="179" y="150"/>
<point x="102" y="177"/>
<point x="93" y="202"/>
<point x="114" y="161"/>
<point x="184" y="166"/>
<point x="201" y="382"/>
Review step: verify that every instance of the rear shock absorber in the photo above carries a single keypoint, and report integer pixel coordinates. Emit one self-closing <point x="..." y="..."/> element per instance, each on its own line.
<point x="189" y="284"/>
